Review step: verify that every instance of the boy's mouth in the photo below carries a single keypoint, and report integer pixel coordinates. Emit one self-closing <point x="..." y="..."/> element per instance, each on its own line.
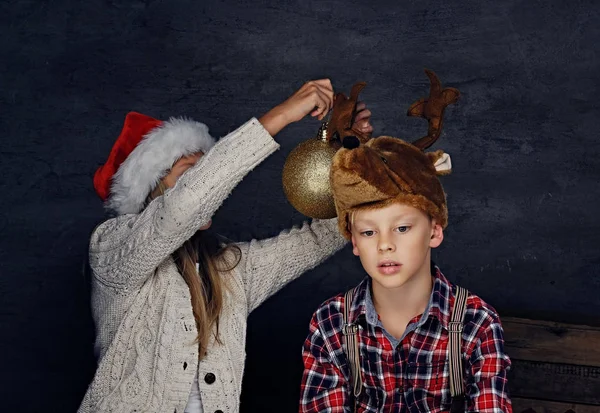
<point x="389" y="267"/>
<point x="389" y="263"/>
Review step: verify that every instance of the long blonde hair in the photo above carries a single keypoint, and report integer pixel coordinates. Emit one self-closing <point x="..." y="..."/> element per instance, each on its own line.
<point x="207" y="287"/>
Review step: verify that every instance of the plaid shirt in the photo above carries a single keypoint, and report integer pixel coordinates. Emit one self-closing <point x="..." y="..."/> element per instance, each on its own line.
<point x="411" y="376"/>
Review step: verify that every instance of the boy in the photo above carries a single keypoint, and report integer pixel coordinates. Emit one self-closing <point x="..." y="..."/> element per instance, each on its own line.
<point x="392" y="206"/>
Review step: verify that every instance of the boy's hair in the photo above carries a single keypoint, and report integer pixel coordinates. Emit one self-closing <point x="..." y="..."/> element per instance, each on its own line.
<point x="369" y="173"/>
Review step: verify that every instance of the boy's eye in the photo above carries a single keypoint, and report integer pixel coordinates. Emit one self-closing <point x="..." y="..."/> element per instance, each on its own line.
<point x="403" y="229"/>
<point x="368" y="233"/>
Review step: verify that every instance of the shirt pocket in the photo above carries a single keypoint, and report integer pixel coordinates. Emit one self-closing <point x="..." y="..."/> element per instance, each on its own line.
<point x="427" y="387"/>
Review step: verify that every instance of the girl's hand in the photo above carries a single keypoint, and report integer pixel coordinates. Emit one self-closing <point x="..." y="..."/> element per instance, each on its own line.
<point x="362" y="119"/>
<point x="315" y="97"/>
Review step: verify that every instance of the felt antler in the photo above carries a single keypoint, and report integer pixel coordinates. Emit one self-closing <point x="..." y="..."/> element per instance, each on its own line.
<point x="342" y="116"/>
<point x="432" y="109"/>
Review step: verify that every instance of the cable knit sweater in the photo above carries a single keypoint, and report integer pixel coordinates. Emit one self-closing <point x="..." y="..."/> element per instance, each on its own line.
<point x="141" y="305"/>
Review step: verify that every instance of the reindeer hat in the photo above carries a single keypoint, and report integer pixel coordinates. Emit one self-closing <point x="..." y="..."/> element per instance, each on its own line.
<point x="375" y="172"/>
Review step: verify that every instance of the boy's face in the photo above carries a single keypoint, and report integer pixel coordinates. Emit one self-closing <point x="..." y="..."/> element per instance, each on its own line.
<point x="394" y="243"/>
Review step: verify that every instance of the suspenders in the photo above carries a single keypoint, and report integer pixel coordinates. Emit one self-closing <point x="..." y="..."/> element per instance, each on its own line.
<point x="454" y="349"/>
<point x="457" y="385"/>
<point x="351" y="342"/>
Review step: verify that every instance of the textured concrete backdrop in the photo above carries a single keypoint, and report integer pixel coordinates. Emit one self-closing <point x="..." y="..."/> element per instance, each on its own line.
<point x="523" y="197"/>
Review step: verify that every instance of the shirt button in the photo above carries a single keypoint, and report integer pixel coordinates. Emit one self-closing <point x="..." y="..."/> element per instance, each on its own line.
<point x="210" y="379"/>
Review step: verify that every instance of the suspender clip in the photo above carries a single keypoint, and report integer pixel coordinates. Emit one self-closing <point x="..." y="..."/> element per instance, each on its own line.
<point x="455" y="327"/>
<point x="350" y="329"/>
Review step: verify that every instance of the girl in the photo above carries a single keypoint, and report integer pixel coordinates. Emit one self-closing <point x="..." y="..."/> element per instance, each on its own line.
<point x="170" y="304"/>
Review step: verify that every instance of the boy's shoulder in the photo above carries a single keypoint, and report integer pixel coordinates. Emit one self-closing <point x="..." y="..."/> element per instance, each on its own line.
<point x="477" y="304"/>
<point x="444" y="294"/>
<point x="331" y="312"/>
<point x="332" y="308"/>
<point x="480" y="314"/>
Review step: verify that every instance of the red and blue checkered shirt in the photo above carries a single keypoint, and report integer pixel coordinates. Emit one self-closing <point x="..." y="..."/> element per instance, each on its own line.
<point x="410" y="374"/>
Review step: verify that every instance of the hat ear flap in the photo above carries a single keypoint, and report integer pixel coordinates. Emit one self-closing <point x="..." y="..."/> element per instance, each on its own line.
<point x="441" y="162"/>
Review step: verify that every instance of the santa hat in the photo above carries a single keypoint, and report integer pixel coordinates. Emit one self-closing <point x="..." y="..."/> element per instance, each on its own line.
<point x="142" y="155"/>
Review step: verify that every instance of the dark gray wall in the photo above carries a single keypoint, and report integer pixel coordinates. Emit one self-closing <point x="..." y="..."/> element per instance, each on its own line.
<point x="523" y="196"/>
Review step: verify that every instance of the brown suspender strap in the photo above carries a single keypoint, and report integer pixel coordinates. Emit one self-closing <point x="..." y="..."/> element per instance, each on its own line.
<point x="454" y="350"/>
<point x="351" y="342"/>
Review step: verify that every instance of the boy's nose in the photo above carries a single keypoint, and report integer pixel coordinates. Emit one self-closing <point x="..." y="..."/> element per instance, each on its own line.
<point x="350" y="142"/>
<point x="386" y="244"/>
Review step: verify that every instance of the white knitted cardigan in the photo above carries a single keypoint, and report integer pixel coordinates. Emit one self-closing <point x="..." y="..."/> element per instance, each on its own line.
<point x="141" y="305"/>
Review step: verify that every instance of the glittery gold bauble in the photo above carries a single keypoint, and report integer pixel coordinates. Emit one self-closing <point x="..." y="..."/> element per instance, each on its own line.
<point x="306" y="176"/>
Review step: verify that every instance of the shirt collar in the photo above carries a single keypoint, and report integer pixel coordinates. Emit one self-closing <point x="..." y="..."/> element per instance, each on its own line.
<point x="439" y="304"/>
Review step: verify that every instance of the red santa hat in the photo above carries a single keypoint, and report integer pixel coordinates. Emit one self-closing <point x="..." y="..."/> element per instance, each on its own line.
<point x="142" y="155"/>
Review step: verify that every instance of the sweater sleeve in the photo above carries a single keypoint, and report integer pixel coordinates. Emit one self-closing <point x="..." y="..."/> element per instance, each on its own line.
<point x="268" y="265"/>
<point x="125" y="251"/>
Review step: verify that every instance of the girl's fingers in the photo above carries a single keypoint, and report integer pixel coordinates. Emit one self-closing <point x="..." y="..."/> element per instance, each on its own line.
<point x="363" y="114"/>
<point x="324" y="83"/>
<point x="323" y="103"/>
<point x="324" y="89"/>
<point x="362" y="118"/>
<point x="367" y="128"/>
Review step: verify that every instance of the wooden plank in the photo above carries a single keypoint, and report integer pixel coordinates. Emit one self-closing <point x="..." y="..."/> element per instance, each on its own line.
<point x="551" y="342"/>
<point x="556" y="382"/>
<point x="542" y="406"/>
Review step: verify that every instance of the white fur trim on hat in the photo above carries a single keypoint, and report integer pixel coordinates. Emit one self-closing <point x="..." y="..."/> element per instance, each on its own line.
<point x="149" y="162"/>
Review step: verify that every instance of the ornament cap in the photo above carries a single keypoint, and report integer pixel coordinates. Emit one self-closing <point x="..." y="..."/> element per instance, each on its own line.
<point x="322" y="133"/>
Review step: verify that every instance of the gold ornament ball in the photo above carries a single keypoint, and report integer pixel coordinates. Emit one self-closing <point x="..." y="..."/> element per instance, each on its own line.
<point x="306" y="178"/>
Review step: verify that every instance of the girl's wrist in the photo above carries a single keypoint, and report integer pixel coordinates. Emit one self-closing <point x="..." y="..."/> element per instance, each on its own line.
<point x="274" y="120"/>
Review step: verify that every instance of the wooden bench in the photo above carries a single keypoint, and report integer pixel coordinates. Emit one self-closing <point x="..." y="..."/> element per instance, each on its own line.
<point x="556" y="367"/>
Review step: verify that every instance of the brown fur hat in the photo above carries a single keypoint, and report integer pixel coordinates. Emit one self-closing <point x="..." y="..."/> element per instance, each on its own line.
<point x="375" y="172"/>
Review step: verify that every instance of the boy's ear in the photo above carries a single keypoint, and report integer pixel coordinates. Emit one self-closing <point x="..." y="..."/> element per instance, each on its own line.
<point x="437" y="235"/>
<point x="354" y="247"/>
